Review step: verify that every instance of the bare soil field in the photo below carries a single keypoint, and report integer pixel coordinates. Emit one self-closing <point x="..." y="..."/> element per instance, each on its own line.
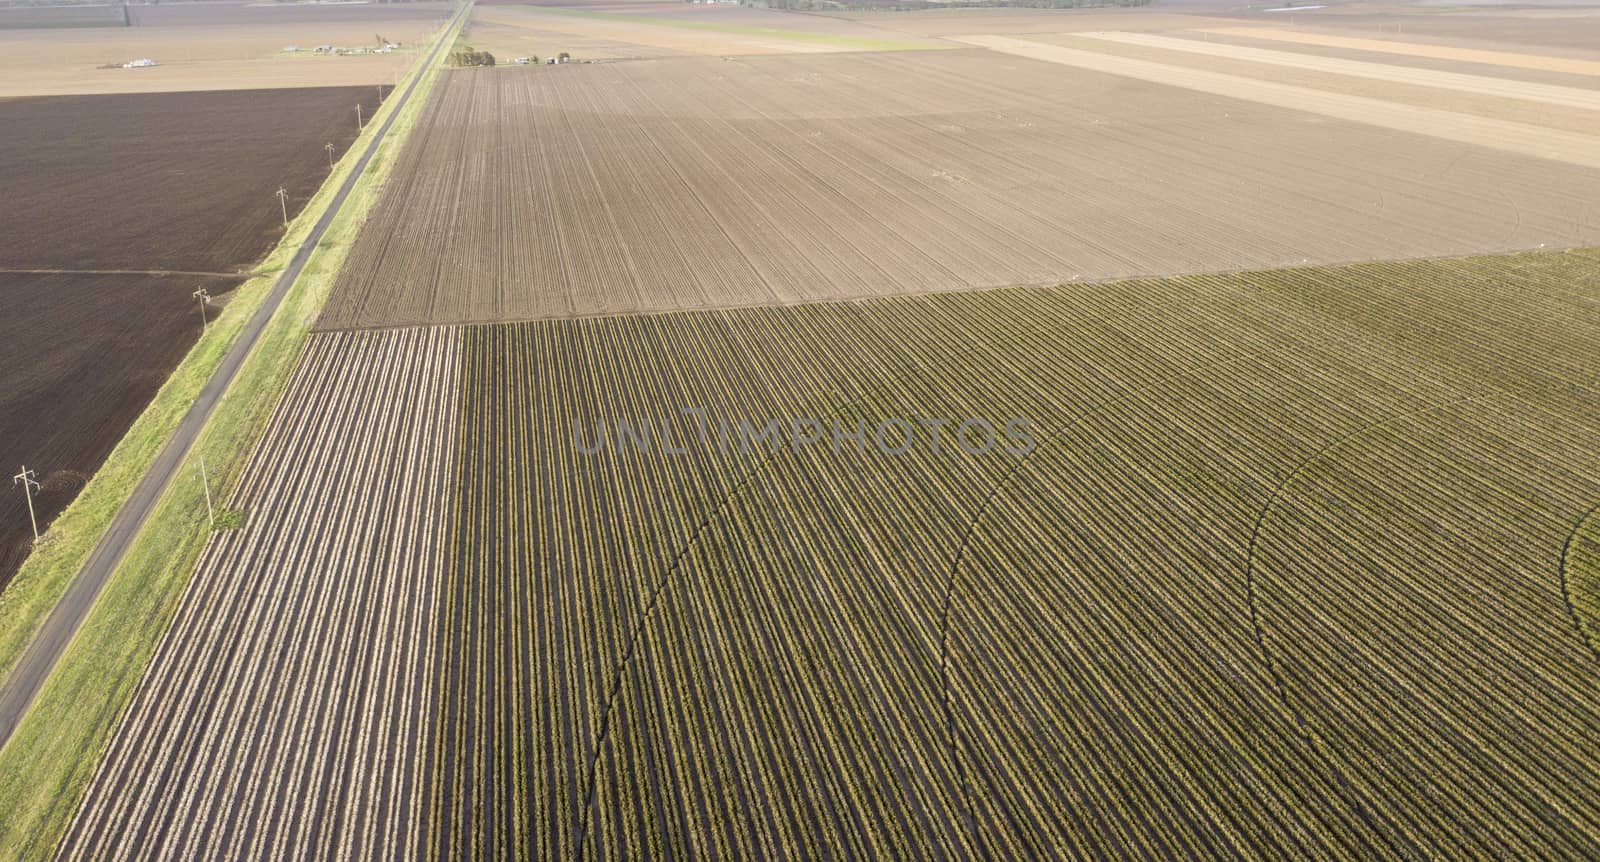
<point x="686" y="182"/>
<point x="1293" y="568"/>
<point x="959" y="22"/>
<point x="679" y="29"/>
<point x="202" y="46"/>
<point x="103" y="194"/>
<point x="179" y="181"/>
<point x="82" y="357"/>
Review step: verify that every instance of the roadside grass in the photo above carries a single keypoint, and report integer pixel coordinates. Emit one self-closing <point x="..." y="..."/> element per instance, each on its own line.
<point x="47" y="763"/>
<point x="854" y="43"/>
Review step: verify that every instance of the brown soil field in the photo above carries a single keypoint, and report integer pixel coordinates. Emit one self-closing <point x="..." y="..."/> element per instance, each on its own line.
<point x="217" y="47"/>
<point x="958" y="22"/>
<point x="664" y="30"/>
<point x="1571" y="97"/>
<point x="1396" y="46"/>
<point x="158" y="182"/>
<point x="689" y="182"/>
<point x="84" y="354"/>
<point x="179" y="181"/>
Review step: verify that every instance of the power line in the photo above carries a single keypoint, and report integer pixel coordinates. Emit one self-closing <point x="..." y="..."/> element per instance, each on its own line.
<point x="25" y="479"/>
<point x="205" y="299"/>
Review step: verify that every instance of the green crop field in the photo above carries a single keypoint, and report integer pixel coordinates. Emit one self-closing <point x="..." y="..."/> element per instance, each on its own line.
<point x="1282" y="575"/>
<point x="1297" y="563"/>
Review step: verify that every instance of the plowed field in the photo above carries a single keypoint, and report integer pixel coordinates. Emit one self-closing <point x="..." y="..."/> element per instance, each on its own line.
<point x="691" y="183"/>
<point x="104" y="194"/>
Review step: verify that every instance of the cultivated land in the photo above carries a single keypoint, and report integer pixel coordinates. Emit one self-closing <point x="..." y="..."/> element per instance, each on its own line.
<point x="53" y="751"/>
<point x="97" y="326"/>
<point x="686" y="183"/>
<point x="84" y="357"/>
<point x="652" y="29"/>
<point x="218" y="46"/>
<point x="1295" y="568"/>
<point x="1297" y="563"/>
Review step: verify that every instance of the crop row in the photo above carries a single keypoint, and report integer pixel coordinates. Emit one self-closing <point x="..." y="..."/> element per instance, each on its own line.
<point x="1295" y="565"/>
<point x="1281" y="578"/>
<point x="283" y="710"/>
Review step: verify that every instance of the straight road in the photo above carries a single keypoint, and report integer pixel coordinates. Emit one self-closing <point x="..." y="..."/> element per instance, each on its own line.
<point x="51" y="641"/>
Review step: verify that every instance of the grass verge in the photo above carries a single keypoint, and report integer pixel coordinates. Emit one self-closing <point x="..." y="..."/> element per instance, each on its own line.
<point x="48" y="761"/>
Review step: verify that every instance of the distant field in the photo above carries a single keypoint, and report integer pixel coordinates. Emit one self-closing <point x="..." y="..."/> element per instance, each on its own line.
<point x="130" y="186"/>
<point x="217" y="46"/>
<point x="692" y="183"/>
<point x="78" y="15"/>
<point x="668" y="29"/>
<point x="1295" y="568"/>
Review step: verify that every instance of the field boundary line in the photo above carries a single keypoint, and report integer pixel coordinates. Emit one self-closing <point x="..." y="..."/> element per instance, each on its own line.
<point x="159" y="273"/>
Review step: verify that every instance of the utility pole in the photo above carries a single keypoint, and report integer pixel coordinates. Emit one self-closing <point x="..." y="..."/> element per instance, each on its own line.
<point x="361" y="125"/>
<point x="25" y="479"/>
<point x="283" y="204"/>
<point x="205" y="482"/>
<point x="205" y="299"/>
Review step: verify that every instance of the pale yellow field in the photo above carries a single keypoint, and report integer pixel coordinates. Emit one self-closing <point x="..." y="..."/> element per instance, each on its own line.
<point x="1520" y="138"/>
<point x="1511" y="59"/>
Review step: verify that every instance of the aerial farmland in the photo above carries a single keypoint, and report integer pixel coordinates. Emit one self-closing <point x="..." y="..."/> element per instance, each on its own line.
<point x="867" y="430"/>
<point x="102" y="262"/>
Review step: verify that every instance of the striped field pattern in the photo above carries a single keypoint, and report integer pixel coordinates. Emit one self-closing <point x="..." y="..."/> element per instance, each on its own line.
<point x="1281" y="578"/>
<point x="282" y="712"/>
<point x="1298" y="564"/>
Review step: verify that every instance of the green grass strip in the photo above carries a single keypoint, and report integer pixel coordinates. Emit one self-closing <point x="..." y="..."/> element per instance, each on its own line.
<point x="48" y="762"/>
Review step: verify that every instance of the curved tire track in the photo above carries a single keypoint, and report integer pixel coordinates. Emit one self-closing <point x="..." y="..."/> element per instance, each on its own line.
<point x="966" y="542"/>
<point x="1564" y="568"/>
<point x="1258" y="633"/>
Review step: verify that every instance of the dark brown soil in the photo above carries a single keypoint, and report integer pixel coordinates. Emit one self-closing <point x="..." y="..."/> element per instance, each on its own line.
<point x="164" y="181"/>
<point x="183" y="181"/>
<point x="88" y="352"/>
